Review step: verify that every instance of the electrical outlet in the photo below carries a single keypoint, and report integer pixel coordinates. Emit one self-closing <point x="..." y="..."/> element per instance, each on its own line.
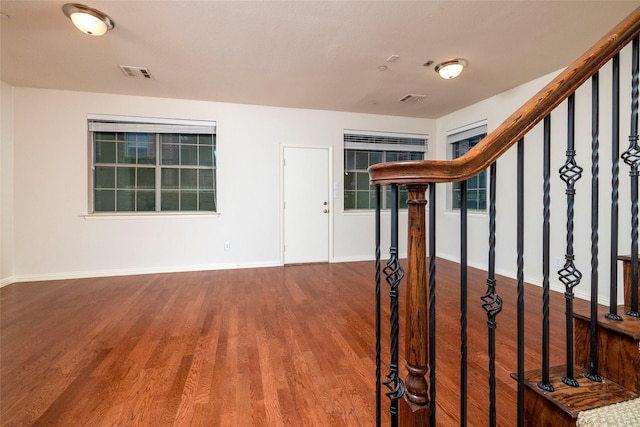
<point x="227" y="246"/>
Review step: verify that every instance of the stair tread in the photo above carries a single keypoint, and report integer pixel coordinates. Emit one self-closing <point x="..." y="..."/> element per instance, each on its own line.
<point x="630" y="326"/>
<point x="589" y="395"/>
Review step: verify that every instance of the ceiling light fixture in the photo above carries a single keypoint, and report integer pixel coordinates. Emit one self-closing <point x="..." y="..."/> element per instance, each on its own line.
<point x="89" y="21"/>
<point x="451" y="69"/>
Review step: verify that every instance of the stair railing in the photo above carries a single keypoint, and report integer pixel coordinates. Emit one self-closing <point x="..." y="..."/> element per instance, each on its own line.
<point x="413" y="400"/>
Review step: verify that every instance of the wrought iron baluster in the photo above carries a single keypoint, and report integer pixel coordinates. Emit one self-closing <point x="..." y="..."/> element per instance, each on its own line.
<point x="520" y="286"/>
<point x="377" y="320"/>
<point x="615" y="184"/>
<point x="432" y="304"/>
<point x="463" y="303"/>
<point x="394" y="274"/>
<point x="592" y="374"/>
<point x="632" y="157"/>
<point x="569" y="275"/>
<point x="491" y="301"/>
<point x="545" y="384"/>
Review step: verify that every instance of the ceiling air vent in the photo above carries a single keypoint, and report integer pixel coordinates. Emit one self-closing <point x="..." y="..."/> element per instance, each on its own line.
<point x="138" y="72"/>
<point x="412" y="98"/>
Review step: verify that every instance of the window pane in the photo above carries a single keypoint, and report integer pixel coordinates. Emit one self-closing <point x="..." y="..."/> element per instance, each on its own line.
<point x="104" y="201"/>
<point x="349" y="159"/>
<point x="391" y="157"/>
<point x="105" y="177"/>
<point x="188" y="139"/>
<point x="127" y="152"/>
<point x="403" y="195"/>
<point x="170" y="178"/>
<point x="417" y="156"/>
<point x="188" y="178"/>
<point x="126" y="178"/>
<point x="205" y="179"/>
<point x="375" y="157"/>
<point x="147" y="153"/>
<point x="207" y="201"/>
<point x="146" y="178"/>
<point x="170" y="200"/>
<point x="205" y="140"/>
<point x="362" y="179"/>
<point x="188" y="155"/>
<point x="206" y="156"/>
<point x="170" y="154"/>
<point x="126" y="201"/>
<point x="349" y="199"/>
<point x="169" y="138"/>
<point x="362" y="160"/>
<point x="188" y="201"/>
<point x="105" y="136"/>
<point x="105" y="152"/>
<point x="349" y="181"/>
<point x="146" y="200"/>
<point x="362" y="200"/>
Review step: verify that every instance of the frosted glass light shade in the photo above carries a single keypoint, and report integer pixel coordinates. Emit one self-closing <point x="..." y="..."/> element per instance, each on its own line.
<point x="451" y="69"/>
<point x="87" y="20"/>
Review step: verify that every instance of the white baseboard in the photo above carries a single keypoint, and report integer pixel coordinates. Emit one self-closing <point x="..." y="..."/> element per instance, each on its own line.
<point x="136" y="271"/>
<point x="7" y="281"/>
<point x="371" y="257"/>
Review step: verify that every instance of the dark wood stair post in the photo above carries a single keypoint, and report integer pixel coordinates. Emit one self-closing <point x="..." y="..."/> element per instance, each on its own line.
<point x="414" y="408"/>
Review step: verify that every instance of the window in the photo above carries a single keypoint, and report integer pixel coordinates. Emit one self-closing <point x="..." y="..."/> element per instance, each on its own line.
<point x="147" y="165"/>
<point x="363" y="149"/>
<point x="460" y="141"/>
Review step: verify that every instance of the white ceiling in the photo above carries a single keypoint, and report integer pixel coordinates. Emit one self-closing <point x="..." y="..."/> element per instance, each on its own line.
<point x="304" y="54"/>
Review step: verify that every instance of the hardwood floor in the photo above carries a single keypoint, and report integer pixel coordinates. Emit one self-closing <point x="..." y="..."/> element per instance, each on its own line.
<point x="289" y="346"/>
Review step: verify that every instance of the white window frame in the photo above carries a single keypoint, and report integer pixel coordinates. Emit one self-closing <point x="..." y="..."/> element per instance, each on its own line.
<point x="382" y="142"/>
<point x="457" y="135"/>
<point x="134" y="124"/>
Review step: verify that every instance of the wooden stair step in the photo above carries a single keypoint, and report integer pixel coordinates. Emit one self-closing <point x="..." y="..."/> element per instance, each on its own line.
<point x="618" y="346"/>
<point x="561" y="407"/>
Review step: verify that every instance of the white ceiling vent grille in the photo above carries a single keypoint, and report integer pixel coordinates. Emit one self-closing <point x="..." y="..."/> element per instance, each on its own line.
<point x="137" y="72"/>
<point x="412" y="98"/>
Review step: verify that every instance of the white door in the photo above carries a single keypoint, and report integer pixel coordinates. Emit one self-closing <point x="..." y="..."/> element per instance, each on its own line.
<point x="306" y="205"/>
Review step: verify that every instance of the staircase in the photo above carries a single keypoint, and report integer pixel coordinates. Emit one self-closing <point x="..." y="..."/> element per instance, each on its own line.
<point x="618" y="364"/>
<point x="602" y="366"/>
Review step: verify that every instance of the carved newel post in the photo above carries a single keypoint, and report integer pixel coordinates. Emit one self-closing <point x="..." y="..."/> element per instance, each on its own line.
<point x="414" y="408"/>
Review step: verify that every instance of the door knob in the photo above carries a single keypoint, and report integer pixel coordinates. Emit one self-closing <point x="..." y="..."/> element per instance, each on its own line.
<point x="325" y="211"/>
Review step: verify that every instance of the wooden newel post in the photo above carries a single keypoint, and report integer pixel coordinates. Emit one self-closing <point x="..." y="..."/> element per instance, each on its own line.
<point x="414" y="408"/>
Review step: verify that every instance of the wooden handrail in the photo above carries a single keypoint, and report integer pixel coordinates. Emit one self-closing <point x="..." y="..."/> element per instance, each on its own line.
<point x="515" y="126"/>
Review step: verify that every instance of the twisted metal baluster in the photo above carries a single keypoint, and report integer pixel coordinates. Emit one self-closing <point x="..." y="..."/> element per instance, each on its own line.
<point x="491" y="301"/>
<point x="615" y="184"/>
<point x="569" y="275"/>
<point x="545" y="384"/>
<point x="632" y="157"/>
<point x="432" y="304"/>
<point x="520" y="286"/>
<point x="463" y="303"/>
<point x="592" y="374"/>
<point x="377" y="321"/>
<point x="394" y="274"/>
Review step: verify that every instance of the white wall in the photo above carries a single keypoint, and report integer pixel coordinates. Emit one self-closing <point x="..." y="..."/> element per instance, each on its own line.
<point x="497" y="109"/>
<point x="54" y="239"/>
<point x="6" y="183"/>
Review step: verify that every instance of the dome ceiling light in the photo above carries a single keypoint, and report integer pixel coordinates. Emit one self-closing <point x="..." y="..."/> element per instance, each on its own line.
<point x="89" y="21"/>
<point x="451" y="69"/>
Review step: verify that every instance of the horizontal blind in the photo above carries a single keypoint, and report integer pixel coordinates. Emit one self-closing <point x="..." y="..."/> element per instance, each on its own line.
<point x="384" y="141"/>
<point x="466" y="132"/>
<point x="99" y="123"/>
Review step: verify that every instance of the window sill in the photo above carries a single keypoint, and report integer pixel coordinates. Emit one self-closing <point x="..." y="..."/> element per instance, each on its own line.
<point x="151" y="215"/>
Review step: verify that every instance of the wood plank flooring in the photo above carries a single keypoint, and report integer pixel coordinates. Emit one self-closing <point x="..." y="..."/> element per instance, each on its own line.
<point x="282" y="346"/>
